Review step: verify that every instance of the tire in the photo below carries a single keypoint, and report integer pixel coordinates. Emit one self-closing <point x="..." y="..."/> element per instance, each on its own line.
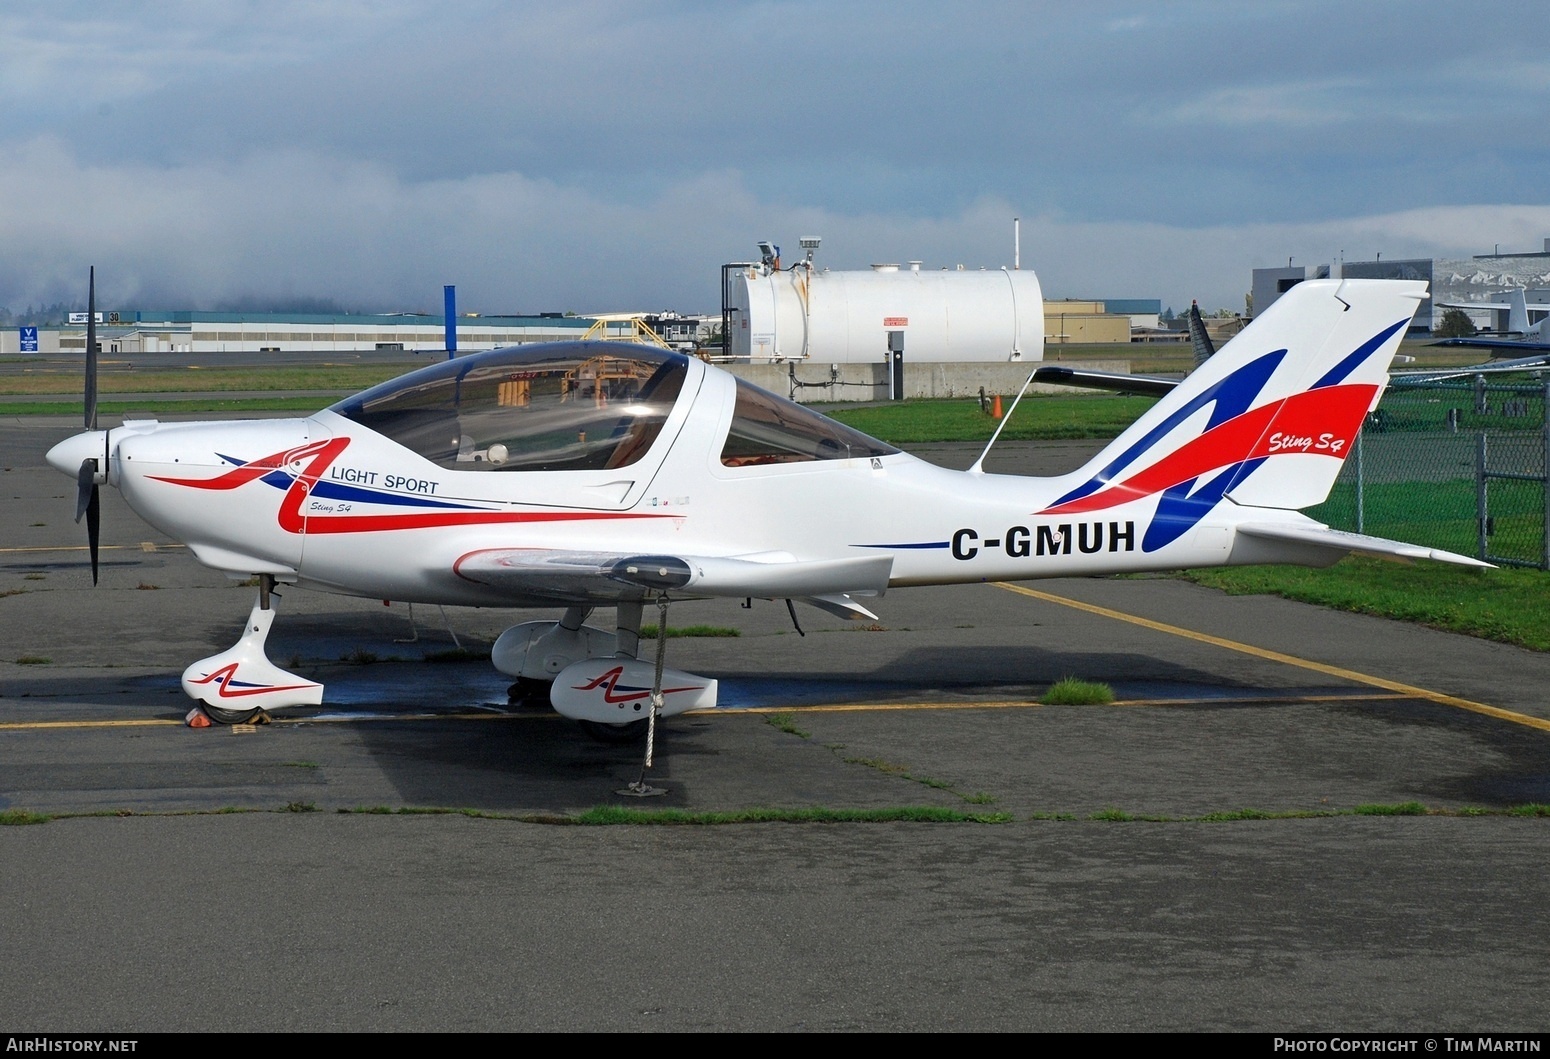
<point x="617" y="734"/>
<point x="224" y="716"/>
<point x="526" y="691"/>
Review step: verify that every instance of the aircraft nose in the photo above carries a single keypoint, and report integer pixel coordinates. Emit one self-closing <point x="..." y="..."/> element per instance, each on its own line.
<point x="69" y="454"/>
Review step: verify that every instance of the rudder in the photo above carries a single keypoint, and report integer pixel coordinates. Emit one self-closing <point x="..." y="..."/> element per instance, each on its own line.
<point x="1267" y="421"/>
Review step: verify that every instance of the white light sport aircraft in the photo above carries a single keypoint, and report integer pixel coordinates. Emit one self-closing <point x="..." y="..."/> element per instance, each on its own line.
<point x="581" y="475"/>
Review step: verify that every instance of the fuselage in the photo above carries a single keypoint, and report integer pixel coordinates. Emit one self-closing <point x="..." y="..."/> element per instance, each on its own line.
<point x="713" y="468"/>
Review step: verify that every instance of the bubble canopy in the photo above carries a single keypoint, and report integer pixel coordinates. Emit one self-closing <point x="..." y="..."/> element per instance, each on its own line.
<point x="578" y="406"/>
<point x="566" y="407"/>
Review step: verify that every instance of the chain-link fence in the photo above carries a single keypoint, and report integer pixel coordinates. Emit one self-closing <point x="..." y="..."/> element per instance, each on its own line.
<point x="1456" y="465"/>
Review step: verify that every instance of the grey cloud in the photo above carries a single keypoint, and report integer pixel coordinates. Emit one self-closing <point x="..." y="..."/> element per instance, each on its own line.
<point x="301" y="224"/>
<point x="371" y="151"/>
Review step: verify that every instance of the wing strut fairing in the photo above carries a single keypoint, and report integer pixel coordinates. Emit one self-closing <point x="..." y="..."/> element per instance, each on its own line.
<point x="566" y="576"/>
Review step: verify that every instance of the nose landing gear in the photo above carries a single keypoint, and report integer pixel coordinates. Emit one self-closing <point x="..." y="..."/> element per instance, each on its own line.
<point x="240" y="683"/>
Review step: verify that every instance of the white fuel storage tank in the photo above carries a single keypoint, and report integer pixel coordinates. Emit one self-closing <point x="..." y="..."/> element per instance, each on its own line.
<point x="802" y="313"/>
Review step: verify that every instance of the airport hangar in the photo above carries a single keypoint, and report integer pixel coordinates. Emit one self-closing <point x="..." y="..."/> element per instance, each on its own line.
<point x="1451" y="281"/>
<point x="151" y="332"/>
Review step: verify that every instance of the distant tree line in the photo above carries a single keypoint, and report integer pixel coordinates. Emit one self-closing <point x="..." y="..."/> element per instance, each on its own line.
<point x="45" y="315"/>
<point x="59" y="312"/>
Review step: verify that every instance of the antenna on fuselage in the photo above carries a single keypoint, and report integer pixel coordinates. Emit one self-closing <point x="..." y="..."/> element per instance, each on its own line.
<point x="979" y="464"/>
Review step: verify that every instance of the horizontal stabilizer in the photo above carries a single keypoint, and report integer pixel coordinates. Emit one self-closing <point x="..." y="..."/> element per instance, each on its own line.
<point x="1346" y="543"/>
<point x="841" y="606"/>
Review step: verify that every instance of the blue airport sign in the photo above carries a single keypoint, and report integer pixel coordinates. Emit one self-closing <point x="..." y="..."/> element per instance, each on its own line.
<point x="29" y="340"/>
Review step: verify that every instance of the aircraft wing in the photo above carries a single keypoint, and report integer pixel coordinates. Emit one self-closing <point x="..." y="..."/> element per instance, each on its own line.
<point x="1118" y="382"/>
<point x="1494" y="343"/>
<point x="1344" y="543"/>
<point x="578" y="576"/>
<point x="1500" y="306"/>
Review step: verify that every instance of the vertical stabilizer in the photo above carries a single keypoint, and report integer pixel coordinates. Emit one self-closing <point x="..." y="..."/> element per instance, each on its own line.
<point x="1268" y="420"/>
<point x="1517" y="312"/>
<point x="1199" y="339"/>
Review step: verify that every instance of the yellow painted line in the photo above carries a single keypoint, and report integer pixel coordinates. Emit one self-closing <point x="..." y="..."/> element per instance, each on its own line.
<point x="866" y="707"/>
<point x="15" y="726"/>
<point x="1013" y="704"/>
<point x="12" y="726"/>
<point x="1407" y="690"/>
<point x="1275" y="700"/>
<point x="833" y="707"/>
<point x="144" y="546"/>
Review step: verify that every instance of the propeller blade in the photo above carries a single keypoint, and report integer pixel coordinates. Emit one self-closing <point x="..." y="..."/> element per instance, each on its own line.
<point x="91" y="352"/>
<point x="85" y="487"/>
<point x="93" y="529"/>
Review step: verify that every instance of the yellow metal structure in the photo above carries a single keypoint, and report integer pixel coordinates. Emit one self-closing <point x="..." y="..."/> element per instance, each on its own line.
<point x="640" y="332"/>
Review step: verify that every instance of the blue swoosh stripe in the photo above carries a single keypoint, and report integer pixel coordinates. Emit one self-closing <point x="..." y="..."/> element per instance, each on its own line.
<point x="926" y="544"/>
<point x="339" y="491"/>
<point x="1352" y="361"/>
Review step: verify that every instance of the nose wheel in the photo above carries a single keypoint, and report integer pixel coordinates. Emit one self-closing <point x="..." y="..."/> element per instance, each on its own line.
<point x="224" y="716"/>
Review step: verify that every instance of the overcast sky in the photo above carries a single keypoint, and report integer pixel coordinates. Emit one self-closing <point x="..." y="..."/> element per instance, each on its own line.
<point x="596" y="156"/>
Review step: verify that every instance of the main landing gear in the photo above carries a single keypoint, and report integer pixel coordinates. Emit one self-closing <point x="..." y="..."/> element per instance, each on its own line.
<point x="593" y="676"/>
<point x="239" y="684"/>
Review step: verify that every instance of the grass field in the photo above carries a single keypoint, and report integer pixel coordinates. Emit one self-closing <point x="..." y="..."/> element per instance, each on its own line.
<point x="1178" y="358"/>
<point x="1442" y="515"/>
<point x="332" y="377"/>
<point x="1509" y="606"/>
<point x="1039" y="417"/>
<point x="233" y="408"/>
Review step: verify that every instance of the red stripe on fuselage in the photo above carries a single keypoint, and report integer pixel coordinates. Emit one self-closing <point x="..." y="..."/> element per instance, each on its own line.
<point x="239" y="476"/>
<point x="322" y="454"/>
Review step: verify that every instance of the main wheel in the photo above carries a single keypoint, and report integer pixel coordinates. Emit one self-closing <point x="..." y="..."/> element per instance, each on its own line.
<point x="616" y="734"/>
<point x="224" y="716"/>
<point x="525" y="691"/>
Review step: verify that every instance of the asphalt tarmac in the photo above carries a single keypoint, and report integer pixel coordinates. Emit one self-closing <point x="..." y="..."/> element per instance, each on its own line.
<point x="301" y="912"/>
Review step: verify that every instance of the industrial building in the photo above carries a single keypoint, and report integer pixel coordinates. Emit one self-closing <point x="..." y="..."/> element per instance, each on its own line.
<point x="1074" y="321"/>
<point x="1451" y="281"/>
<point x="209" y="332"/>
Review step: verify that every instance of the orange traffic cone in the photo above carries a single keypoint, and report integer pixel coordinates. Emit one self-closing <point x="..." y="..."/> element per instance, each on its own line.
<point x="995" y="408"/>
<point x="197" y="718"/>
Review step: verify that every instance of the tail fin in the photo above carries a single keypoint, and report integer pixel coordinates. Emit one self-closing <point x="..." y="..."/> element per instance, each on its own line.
<point x="1268" y="420"/>
<point x="1198" y="338"/>
<point x="1517" y="312"/>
